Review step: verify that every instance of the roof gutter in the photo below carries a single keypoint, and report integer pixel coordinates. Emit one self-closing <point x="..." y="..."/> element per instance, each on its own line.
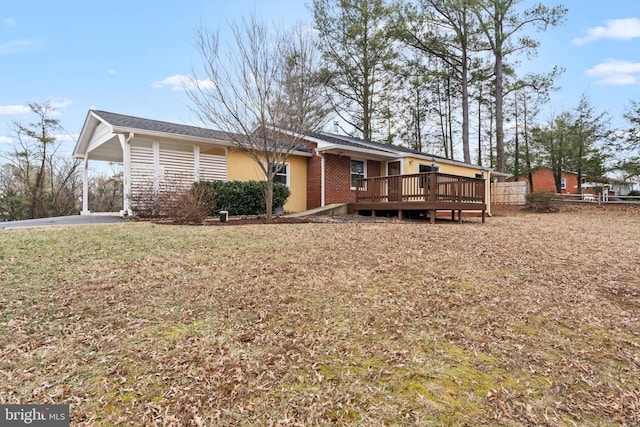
<point x="364" y="151"/>
<point x="192" y="139"/>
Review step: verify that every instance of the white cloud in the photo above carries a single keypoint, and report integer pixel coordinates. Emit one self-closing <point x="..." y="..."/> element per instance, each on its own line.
<point x="17" y="46"/>
<point x="9" y="22"/>
<point x="14" y="110"/>
<point x="617" y="29"/>
<point x="112" y="72"/>
<point x="183" y="82"/>
<point x="5" y="140"/>
<point x="58" y="103"/>
<point x="67" y="137"/>
<point x="616" y="72"/>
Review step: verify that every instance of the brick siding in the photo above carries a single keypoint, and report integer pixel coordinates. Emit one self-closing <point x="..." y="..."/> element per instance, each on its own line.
<point x="543" y="181"/>
<point x="337" y="171"/>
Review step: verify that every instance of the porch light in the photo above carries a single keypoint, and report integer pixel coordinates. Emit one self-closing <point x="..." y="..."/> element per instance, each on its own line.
<point x="433" y="163"/>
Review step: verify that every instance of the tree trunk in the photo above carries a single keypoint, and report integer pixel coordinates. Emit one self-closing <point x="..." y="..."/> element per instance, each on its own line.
<point x="450" y="116"/>
<point x="480" y="128"/>
<point x="516" y="148"/>
<point x="466" y="152"/>
<point x="268" y="197"/>
<point x="500" y="163"/>
<point x="527" y="153"/>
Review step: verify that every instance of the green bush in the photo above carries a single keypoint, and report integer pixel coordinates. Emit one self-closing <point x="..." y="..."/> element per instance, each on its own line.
<point x="244" y="197"/>
<point x="540" y="201"/>
<point x="634" y="193"/>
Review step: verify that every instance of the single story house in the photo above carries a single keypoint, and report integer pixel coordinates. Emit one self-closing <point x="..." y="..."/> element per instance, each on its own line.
<point x="543" y="180"/>
<point x="324" y="169"/>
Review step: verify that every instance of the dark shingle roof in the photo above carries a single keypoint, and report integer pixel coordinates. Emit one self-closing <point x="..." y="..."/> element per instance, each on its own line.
<point x="121" y="120"/>
<point x="124" y="121"/>
<point x="362" y="143"/>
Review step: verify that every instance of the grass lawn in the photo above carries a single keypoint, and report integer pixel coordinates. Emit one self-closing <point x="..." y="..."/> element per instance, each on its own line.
<point x="529" y="319"/>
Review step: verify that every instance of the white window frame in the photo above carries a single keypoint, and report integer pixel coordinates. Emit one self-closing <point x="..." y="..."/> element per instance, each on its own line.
<point x="364" y="170"/>
<point x="286" y="172"/>
<point x="563" y="183"/>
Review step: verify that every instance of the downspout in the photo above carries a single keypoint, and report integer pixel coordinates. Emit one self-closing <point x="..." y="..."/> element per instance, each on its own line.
<point x="322" y="185"/>
<point x="126" y="165"/>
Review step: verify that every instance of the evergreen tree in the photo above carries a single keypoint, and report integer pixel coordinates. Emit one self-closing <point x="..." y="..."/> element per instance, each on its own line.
<point x="356" y="43"/>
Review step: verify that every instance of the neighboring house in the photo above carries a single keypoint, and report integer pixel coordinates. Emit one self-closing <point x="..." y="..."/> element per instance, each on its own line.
<point x="543" y="180"/>
<point x="618" y="187"/>
<point x="323" y="170"/>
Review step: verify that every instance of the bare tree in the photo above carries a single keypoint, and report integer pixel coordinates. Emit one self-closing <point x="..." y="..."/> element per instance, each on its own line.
<point x="249" y="94"/>
<point x="303" y="81"/>
<point x="106" y="191"/>
<point x="47" y="183"/>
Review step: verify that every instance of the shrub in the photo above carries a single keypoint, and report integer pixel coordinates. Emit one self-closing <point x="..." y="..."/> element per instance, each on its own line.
<point x="634" y="193"/>
<point x="191" y="205"/>
<point x="244" y="197"/>
<point x="147" y="201"/>
<point x="541" y="201"/>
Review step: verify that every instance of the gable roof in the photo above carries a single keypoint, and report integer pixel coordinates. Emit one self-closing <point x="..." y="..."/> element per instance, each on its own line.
<point x="363" y="143"/>
<point x="137" y="123"/>
<point x="125" y="123"/>
<point x="334" y="143"/>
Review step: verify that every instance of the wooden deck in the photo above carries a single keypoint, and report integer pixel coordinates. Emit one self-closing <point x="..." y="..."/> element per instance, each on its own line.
<point x="427" y="192"/>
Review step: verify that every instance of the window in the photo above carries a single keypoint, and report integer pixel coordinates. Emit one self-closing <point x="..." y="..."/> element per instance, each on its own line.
<point x="427" y="168"/>
<point x="282" y="176"/>
<point x="422" y="168"/>
<point x="563" y="183"/>
<point x="357" y="171"/>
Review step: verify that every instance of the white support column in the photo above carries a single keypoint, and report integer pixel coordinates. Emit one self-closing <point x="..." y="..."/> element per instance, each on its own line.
<point x="196" y="163"/>
<point x="157" y="173"/>
<point x="85" y="186"/>
<point x="126" y="166"/>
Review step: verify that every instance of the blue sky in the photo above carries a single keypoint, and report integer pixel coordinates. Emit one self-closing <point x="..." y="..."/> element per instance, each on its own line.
<point x="123" y="56"/>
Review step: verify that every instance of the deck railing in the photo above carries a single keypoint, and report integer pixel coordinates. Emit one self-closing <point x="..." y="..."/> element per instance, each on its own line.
<point x="420" y="187"/>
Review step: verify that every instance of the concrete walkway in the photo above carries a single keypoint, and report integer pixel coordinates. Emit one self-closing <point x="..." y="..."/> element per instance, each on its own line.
<point x="97" y="218"/>
<point x="329" y="210"/>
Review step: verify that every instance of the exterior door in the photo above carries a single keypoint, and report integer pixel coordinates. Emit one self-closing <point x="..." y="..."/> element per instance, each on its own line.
<point x="395" y="182"/>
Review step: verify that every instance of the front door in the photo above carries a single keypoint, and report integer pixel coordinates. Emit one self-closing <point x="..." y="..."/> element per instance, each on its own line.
<point x="395" y="181"/>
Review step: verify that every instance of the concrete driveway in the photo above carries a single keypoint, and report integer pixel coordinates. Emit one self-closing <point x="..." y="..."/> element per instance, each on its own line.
<point x="102" y="218"/>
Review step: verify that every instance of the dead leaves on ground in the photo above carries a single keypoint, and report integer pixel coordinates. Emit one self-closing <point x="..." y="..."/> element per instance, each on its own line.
<point x="527" y="320"/>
